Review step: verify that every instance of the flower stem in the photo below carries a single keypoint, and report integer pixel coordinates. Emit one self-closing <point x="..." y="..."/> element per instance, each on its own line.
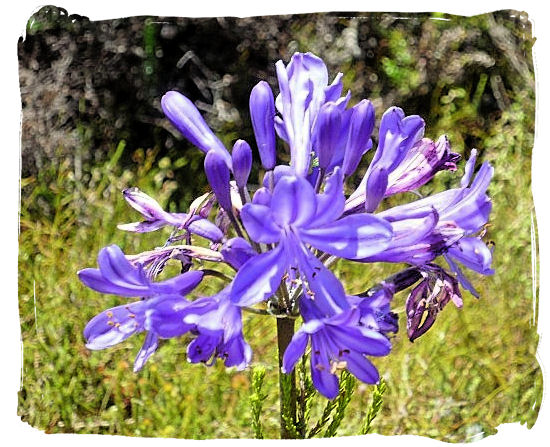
<point x="287" y="382"/>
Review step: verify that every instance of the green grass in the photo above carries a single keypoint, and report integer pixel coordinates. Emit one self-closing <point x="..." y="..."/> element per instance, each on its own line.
<point x="474" y="370"/>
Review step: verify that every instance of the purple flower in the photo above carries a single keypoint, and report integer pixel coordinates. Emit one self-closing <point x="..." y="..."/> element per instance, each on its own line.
<point x="374" y="310"/>
<point x="472" y="253"/>
<point x="396" y="136"/>
<point x="337" y="342"/>
<point x="187" y="119"/>
<point x="420" y="164"/>
<point x="304" y="88"/>
<point x="444" y="223"/>
<point x="156" y="217"/>
<point x="417" y="238"/>
<point x="116" y="324"/>
<point x="118" y="276"/>
<point x="217" y="324"/>
<point x="296" y="216"/>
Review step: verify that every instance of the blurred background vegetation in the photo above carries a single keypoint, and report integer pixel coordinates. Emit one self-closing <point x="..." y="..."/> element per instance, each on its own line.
<point x="92" y="126"/>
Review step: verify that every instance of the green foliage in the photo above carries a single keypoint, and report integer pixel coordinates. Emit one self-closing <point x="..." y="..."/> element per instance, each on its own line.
<point x="347" y="387"/>
<point x="306" y="392"/>
<point x="288" y="405"/>
<point x="375" y="406"/>
<point x="334" y="410"/>
<point x="257" y="399"/>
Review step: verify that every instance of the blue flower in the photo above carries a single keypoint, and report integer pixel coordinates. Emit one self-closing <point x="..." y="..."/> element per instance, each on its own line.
<point x="337" y="342"/>
<point x="446" y="224"/>
<point x="217" y="324"/>
<point x="118" y="276"/>
<point x="156" y="217"/>
<point x="291" y="218"/>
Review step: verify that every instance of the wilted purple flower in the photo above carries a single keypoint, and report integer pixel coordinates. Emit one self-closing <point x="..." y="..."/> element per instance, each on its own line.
<point x="420" y="164"/>
<point x="156" y="217"/>
<point x="338" y="342"/>
<point x="262" y="114"/>
<point x="295" y="216"/>
<point x="428" y="298"/>
<point x="184" y="115"/>
<point x="183" y="253"/>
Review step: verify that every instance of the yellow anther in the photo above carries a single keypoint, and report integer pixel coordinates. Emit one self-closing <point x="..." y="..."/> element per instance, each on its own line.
<point x="337" y="366"/>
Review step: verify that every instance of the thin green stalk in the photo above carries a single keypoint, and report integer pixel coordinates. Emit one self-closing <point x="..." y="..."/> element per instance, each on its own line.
<point x="287" y="382"/>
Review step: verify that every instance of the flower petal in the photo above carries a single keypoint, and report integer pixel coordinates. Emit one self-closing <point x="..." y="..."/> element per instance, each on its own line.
<point x="237" y="251"/>
<point x="325" y="382"/>
<point x="352" y="237"/>
<point x="149" y="347"/>
<point x="474" y="254"/>
<point x="114" y="325"/>
<point x="259" y="277"/>
<point x="294" y="201"/>
<point x="294" y="350"/>
<point x="330" y="204"/>
<point x="361" y="367"/>
<point x="181" y="284"/>
<point x="259" y="223"/>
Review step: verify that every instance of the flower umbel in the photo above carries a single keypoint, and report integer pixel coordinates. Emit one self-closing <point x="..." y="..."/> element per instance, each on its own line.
<point x="280" y="233"/>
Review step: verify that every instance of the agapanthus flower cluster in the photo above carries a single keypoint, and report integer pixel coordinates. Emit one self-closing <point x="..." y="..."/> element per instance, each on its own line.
<point x="280" y="233"/>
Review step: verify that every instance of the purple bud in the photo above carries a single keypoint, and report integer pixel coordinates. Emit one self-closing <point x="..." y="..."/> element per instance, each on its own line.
<point x="326" y="136"/>
<point x="217" y="174"/>
<point x="360" y="130"/>
<point x="262" y="113"/>
<point x="242" y="162"/>
<point x="187" y="119"/>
